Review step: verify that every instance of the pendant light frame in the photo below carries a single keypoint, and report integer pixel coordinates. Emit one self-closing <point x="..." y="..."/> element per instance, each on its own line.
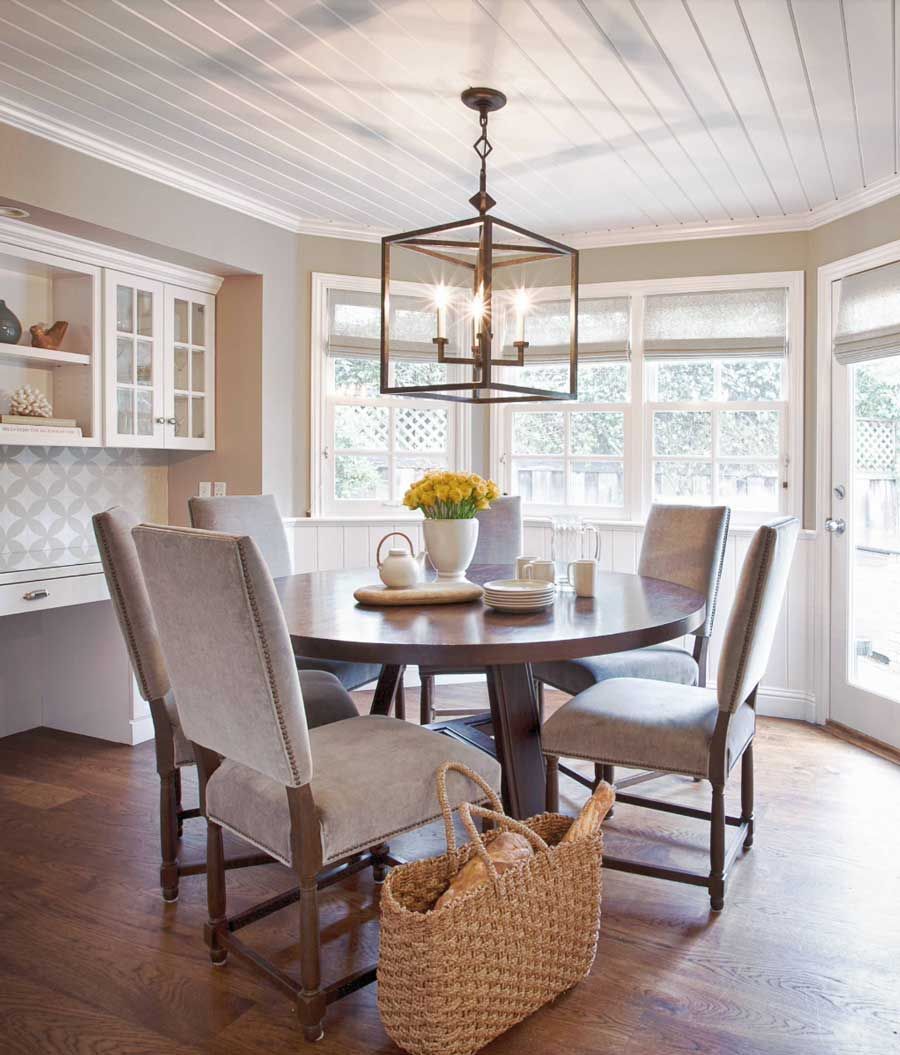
<point x="492" y="254"/>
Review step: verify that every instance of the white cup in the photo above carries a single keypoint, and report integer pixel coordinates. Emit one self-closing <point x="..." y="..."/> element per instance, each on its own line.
<point x="582" y="575"/>
<point x="521" y="564"/>
<point x="544" y="570"/>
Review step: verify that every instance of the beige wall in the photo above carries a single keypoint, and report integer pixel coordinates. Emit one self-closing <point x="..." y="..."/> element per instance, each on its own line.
<point x="72" y="192"/>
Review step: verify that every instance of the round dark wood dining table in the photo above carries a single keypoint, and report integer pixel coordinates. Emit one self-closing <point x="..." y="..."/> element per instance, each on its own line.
<point x="628" y="611"/>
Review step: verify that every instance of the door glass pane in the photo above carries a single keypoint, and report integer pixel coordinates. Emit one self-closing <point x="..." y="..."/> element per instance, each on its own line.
<point x="198" y="363"/>
<point x="181" y="416"/>
<point x="144" y="412"/>
<point x="182" y="334"/>
<point x="875" y="529"/>
<point x="181" y="369"/>
<point x="144" y="363"/>
<point x="198" y="324"/>
<point x="539" y="480"/>
<point x="198" y="422"/>
<point x="125" y="411"/>
<point x="144" y="313"/>
<point x="124" y="360"/>
<point x="125" y="309"/>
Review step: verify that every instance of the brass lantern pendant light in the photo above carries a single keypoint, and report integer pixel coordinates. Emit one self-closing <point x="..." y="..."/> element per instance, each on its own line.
<point x="459" y="302"/>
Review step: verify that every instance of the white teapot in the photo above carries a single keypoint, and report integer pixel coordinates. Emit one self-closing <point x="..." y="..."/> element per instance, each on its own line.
<point x="400" y="569"/>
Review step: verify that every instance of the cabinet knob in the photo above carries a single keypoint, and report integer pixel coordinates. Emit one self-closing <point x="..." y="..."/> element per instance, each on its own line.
<point x="170" y="421"/>
<point x="35" y="595"/>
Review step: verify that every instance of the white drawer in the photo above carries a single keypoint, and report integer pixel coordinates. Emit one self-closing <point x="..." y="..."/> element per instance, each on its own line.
<point x="39" y="594"/>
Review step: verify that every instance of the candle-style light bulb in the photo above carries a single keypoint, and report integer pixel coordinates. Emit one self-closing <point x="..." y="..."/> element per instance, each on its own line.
<point x="440" y="303"/>
<point x="522" y="304"/>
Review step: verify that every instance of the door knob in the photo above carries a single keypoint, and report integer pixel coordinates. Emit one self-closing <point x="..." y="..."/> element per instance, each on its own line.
<point x="160" y="421"/>
<point x="835" y="527"/>
<point x="170" y="421"/>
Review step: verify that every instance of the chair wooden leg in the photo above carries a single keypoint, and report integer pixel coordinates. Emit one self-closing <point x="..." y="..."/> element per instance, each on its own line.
<point x="747" y="795"/>
<point x="400" y="702"/>
<point x="168" y="835"/>
<point x="539" y="693"/>
<point x="178" y="806"/>
<point x="215" y="892"/>
<point x="311" y="999"/>
<point x="717" y="849"/>
<point x="426" y="699"/>
<point x="379" y="862"/>
<point x="552" y="783"/>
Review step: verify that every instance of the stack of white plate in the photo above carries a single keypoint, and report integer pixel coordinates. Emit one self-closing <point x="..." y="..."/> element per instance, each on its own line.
<point x="519" y="595"/>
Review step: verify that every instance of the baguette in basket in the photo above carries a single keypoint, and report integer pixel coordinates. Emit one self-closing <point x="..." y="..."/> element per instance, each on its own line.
<point x="510" y="848"/>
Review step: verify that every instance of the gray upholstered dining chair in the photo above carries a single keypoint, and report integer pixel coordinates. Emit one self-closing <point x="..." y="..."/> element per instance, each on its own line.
<point x="322" y="801"/>
<point x="688" y="729"/>
<point x="681" y="544"/>
<point x="259" y="517"/>
<point x="499" y="542"/>
<point x="323" y="696"/>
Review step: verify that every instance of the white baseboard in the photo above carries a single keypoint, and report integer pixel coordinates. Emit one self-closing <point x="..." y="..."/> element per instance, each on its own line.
<point x="141" y="729"/>
<point x="786" y="703"/>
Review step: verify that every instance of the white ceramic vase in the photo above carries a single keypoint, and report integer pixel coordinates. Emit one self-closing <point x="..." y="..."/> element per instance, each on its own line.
<point x="450" y="545"/>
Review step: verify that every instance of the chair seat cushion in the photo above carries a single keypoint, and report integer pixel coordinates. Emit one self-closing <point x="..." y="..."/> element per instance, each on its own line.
<point x="373" y="778"/>
<point x="645" y="724"/>
<point x="350" y="675"/>
<point x="667" y="662"/>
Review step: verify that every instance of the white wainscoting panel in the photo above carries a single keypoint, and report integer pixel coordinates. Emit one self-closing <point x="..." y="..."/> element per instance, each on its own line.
<point x="787" y="689"/>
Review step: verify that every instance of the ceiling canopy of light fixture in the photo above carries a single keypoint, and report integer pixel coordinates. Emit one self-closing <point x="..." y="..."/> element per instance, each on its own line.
<point x="479" y="310"/>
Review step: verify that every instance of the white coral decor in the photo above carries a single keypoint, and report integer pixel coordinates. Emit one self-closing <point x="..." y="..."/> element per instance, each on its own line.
<point x="30" y="402"/>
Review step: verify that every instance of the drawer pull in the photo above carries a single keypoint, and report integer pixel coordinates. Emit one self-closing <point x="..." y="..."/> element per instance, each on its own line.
<point x="35" y="595"/>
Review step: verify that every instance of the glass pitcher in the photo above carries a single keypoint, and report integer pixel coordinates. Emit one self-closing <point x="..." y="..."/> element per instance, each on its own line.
<point x="572" y="539"/>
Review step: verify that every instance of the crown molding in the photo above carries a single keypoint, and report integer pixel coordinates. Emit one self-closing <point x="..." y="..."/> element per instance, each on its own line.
<point x="84" y="251"/>
<point x="103" y="150"/>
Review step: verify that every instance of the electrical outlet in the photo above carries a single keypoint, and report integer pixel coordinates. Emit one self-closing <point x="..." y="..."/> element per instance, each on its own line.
<point x="204" y="490"/>
<point x="220" y="488"/>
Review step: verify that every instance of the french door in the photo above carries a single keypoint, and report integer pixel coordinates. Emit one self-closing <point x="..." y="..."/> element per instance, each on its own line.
<point x="863" y="524"/>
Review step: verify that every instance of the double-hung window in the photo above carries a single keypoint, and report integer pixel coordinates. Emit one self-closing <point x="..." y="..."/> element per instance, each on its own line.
<point x="716" y="408"/>
<point x="572" y="454"/>
<point x="371" y="447"/>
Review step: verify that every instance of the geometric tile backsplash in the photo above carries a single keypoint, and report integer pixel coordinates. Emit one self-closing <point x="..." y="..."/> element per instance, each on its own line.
<point x="49" y="494"/>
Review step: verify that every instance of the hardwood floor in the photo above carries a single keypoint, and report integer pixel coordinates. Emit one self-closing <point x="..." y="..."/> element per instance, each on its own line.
<point x="804" y="959"/>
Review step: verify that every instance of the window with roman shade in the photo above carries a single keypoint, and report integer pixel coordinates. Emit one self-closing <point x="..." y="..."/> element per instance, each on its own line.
<point x="868" y="322"/>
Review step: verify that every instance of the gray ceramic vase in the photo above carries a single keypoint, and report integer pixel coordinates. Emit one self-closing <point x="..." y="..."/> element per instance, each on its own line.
<point x="10" y="327"/>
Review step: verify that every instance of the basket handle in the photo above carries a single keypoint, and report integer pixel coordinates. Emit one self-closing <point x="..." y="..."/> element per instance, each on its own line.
<point x="465" y="814"/>
<point x="446" y="810"/>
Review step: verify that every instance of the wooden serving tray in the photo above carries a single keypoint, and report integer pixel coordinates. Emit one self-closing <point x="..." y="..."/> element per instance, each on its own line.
<point x="427" y="593"/>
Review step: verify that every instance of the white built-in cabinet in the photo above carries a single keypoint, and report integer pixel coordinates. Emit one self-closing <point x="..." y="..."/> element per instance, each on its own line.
<point x="160" y="381"/>
<point x="137" y="367"/>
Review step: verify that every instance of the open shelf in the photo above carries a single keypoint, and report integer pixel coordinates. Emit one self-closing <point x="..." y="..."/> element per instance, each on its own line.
<point x="23" y="355"/>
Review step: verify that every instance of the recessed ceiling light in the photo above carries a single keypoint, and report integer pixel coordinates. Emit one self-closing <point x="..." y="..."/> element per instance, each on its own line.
<point x="13" y="213"/>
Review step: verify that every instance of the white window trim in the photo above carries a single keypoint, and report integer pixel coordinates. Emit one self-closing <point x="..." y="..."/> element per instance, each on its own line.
<point x="638" y="493"/>
<point x="459" y="416"/>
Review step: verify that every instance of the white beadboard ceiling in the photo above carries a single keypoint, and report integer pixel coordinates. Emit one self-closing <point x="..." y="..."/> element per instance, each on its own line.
<point x="628" y="120"/>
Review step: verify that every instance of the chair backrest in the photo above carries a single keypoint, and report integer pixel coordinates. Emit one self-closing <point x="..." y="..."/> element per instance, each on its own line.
<point x="227" y="648"/>
<point x="686" y="545"/>
<point x="754" y="614"/>
<point x="253" y="515"/>
<point x="131" y="601"/>
<point x="499" y="532"/>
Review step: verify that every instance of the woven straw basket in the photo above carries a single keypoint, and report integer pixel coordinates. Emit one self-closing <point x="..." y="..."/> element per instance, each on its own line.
<point x="451" y="980"/>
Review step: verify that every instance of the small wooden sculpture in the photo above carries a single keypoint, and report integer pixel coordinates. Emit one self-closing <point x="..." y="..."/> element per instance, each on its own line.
<point x="50" y="338"/>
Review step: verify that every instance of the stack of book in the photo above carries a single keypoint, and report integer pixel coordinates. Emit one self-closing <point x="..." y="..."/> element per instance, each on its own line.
<point x="41" y="426"/>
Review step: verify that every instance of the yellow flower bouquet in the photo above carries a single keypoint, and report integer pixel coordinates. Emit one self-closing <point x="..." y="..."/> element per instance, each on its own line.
<point x="444" y="495"/>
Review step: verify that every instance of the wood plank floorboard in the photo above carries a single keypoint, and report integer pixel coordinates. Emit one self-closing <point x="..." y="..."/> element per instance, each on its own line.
<point x="805" y="959"/>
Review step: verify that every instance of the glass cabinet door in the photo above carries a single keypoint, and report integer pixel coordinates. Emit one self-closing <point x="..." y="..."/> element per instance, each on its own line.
<point x="134" y="373"/>
<point x="190" y="353"/>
